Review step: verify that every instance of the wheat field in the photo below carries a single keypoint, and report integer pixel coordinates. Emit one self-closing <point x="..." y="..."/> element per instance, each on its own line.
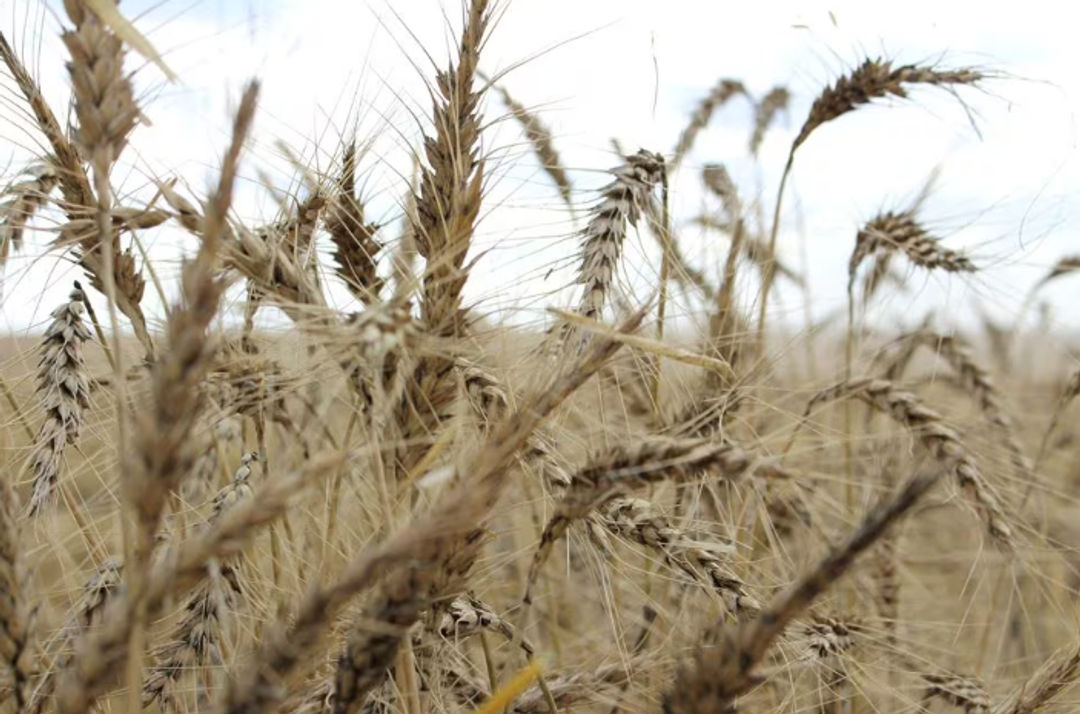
<point x="660" y="497"/>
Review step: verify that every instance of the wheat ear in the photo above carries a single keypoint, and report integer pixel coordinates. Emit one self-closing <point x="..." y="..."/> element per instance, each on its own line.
<point x="15" y="612"/>
<point x="719" y="95"/>
<point x="719" y="673"/>
<point x="936" y="436"/>
<point x="21" y="200"/>
<point x="355" y="246"/>
<point x="543" y="145"/>
<point x="765" y="112"/>
<point x="621" y="203"/>
<point x="640" y="521"/>
<point x="958" y="690"/>
<point x="65" y="397"/>
<point x="901" y="232"/>
<point x="452" y="182"/>
<point x="622" y="469"/>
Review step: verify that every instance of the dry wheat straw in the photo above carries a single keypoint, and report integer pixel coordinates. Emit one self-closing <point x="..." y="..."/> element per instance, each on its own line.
<point x="65" y="397"/>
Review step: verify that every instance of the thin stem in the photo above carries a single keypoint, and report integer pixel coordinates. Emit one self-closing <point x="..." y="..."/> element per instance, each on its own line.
<point x="665" y="276"/>
<point x="770" y="270"/>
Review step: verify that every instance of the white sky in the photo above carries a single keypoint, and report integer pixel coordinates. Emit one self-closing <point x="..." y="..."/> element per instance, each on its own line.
<point x="597" y="69"/>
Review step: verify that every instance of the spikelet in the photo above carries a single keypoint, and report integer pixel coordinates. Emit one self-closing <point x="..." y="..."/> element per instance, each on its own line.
<point x="370" y="347"/>
<point x="902" y="232"/>
<point x="640" y="521"/>
<point x="872" y="79"/>
<point x="355" y="247"/>
<point x="539" y="137"/>
<point x="724" y="90"/>
<point x="938" y="438"/>
<point x="765" y="111"/>
<point x="622" y="202"/>
<point x="968" y="693"/>
<point x="65" y="396"/>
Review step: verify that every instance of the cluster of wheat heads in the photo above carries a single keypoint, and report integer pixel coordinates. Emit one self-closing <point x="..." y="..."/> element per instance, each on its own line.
<point x="408" y="505"/>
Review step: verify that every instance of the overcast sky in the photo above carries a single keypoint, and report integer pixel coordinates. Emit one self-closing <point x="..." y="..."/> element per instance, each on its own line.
<point x="633" y="70"/>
